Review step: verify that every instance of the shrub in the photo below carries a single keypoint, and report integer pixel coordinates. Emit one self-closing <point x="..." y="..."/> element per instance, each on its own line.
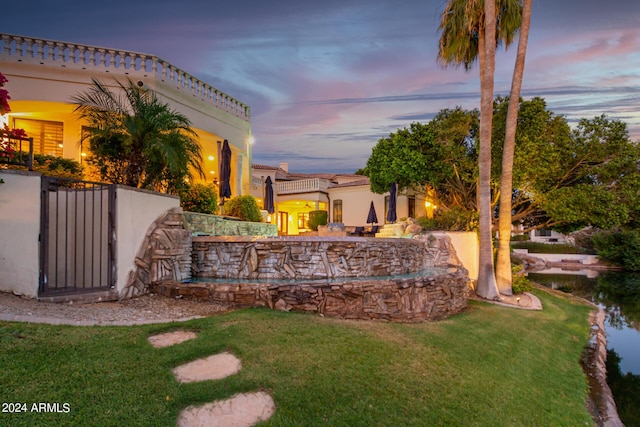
<point x="200" y="198"/>
<point x="243" y="207"/>
<point x="619" y="247"/>
<point x="454" y="219"/>
<point x="519" y="283"/>
<point x="546" y="248"/>
<point x="317" y="218"/>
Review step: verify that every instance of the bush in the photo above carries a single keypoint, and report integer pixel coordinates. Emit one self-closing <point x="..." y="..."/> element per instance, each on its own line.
<point x="546" y="248"/>
<point x="619" y="247"/>
<point x="519" y="283"/>
<point x="520" y="238"/>
<point x="200" y="198"/>
<point x="317" y="218"/>
<point x="455" y="219"/>
<point x="243" y="207"/>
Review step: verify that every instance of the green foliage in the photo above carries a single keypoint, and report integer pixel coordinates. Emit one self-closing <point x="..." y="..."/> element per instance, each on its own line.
<point x="317" y="218"/>
<point x="244" y="207"/>
<point x="201" y="198"/>
<point x="59" y="167"/>
<point x="563" y="179"/>
<point x="546" y="248"/>
<point x="519" y="282"/>
<point x="137" y="140"/>
<point x="455" y="219"/>
<point x="620" y="247"/>
<point x="408" y="157"/>
<point x="520" y="238"/>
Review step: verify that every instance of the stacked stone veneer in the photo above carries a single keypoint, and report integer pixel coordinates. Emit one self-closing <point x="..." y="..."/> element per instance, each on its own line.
<point x="304" y="260"/>
<point x="165" y="255"/>
<point x="309" y="257"/>
<point x="255" y="267"/>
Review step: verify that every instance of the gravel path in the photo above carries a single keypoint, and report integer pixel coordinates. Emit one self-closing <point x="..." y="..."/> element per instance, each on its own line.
<point x="146" y="309"/>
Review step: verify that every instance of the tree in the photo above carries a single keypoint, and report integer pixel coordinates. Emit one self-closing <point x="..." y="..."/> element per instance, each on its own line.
<point x="136" y="140"/>
<point x="503" y="267"/>
<point x="470" y="30"/>
<point x="409" y="157"/>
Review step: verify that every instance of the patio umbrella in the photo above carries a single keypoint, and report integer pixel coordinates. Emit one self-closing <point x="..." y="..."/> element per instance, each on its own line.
<point x="372" y="217"/>
<point x="268" y="195"/>
<point x="225" y="171"/>
<point x="391" y="213"/>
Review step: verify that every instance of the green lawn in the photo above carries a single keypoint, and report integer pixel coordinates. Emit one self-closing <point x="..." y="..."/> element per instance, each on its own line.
<point x="489" y="366"/>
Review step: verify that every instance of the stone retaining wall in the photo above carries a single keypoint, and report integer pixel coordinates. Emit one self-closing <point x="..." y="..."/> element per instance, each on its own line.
<point x="414" y="299"/>
<point x="309" y="257"/>
<point x="214" y="225"/>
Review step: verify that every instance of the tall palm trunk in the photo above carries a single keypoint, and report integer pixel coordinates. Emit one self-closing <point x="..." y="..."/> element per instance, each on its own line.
<point x="503" y="268"/>
<point x="486" y="287"/>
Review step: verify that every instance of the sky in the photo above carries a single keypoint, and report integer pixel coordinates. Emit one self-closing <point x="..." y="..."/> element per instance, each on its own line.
<point x="326" y="80"/>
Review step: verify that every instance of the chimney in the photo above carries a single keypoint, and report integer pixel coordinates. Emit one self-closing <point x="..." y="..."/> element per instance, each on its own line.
<point x="284" y="167"/>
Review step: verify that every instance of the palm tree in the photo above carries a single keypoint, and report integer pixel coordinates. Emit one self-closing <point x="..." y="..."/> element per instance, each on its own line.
<point x="136" y="140"/>
<point x="503" y="267"/>
<point x="471" y="29"/>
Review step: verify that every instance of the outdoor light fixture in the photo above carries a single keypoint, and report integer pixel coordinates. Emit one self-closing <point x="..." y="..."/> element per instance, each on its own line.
<point x="211" y="157"/>
<point x="212" y="172"/>
<point x="518" y="300"/>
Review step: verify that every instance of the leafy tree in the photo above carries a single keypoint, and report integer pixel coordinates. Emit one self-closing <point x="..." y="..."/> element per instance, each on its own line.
<point x="137" y="140"/>
<point x="409" y="157"/>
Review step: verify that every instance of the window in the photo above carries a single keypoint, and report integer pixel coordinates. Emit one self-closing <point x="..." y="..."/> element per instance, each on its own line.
<point x="47" y="136"/>
<point x="543" y="232"/>
<point x="303" y="220"/>
<point x="337" y="211"/>
<point x="412" y="206"/>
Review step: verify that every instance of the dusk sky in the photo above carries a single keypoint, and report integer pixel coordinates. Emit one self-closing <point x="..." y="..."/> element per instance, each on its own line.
<point x="326" y="80"/>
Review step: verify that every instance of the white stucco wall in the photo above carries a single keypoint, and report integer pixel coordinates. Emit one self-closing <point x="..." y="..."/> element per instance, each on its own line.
<point x="19" y="231"/>
<point x="136" y="210"/>
<point x="467" y="248"/>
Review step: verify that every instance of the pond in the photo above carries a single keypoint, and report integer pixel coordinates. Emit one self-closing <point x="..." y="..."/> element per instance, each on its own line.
<point x="618" y="294"/>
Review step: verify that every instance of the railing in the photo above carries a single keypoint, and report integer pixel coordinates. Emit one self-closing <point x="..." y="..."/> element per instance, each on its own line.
<point x="17" y="152"/>
<point x="256" y="181"/>
<point x="302" y="186"/>
<point x="83" y="56"/>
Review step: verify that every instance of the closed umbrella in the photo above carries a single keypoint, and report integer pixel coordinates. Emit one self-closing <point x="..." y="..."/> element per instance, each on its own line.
<point x="391" y="213"/>
<point x="372" y="217"/>
<point x="268" y="195"/>
<point x="225" y="171"/>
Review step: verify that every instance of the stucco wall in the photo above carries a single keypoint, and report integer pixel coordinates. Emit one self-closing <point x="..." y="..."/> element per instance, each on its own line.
<point x="135" y="211"/>
<point x="19" y="231"/>
<point x="467" y="248"/>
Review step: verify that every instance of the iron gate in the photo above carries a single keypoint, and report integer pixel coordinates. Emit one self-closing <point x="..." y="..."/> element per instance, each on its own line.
<point x="77" y="230"/>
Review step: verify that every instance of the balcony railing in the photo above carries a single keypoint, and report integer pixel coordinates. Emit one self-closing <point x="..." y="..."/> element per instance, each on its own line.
<point x="50" y="52"/>
<point x="302" y="186"/>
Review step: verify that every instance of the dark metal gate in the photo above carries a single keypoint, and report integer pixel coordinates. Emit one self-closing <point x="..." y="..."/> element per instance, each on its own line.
<point x="76" y="237"/>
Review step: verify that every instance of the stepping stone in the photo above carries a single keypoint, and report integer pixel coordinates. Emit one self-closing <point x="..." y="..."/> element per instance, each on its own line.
<point x="213" y="367"/>
<point x="170" y="338"/>
<point x="242" y="410"/>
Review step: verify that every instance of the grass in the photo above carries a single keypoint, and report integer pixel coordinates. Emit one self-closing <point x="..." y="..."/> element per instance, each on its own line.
<point x="485" y="367"/>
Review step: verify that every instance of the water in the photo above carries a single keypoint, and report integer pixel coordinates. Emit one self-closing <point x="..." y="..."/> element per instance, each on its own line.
<point x="618" y="294"/>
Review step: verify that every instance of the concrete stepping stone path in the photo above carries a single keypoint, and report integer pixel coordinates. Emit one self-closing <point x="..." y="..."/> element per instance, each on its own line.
<point x="170" y="338"/>
<point x="213" y="367"/>
<point x="242" y="410"/>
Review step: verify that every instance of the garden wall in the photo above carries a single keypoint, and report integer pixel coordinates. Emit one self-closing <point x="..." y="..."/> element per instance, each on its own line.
<point x="20" y="229"/>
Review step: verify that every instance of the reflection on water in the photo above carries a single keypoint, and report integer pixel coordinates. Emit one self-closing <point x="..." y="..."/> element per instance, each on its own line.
<point x="618" y="294"/>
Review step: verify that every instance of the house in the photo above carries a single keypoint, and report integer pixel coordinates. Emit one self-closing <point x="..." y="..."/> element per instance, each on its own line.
<point x="45" y="74"/>
<point x="346" y="198"/>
